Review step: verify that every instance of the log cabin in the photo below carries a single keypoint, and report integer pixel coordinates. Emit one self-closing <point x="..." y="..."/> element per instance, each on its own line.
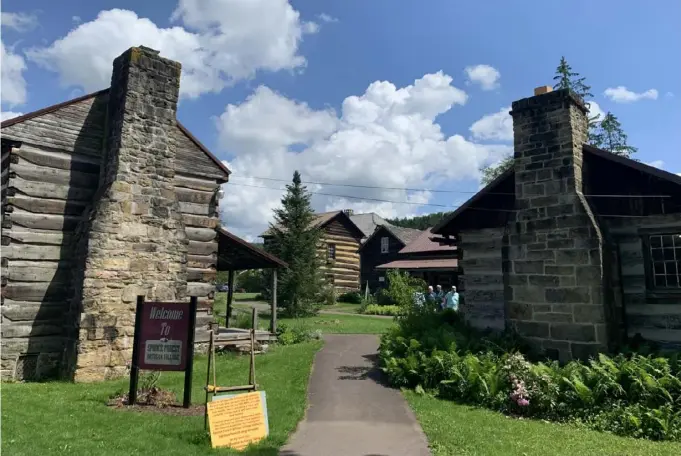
<point x="104" y="197"/>
<point x="383" y="246"/>
<point x="338" y="249"/>
<point x="428" y="257"/>
<point x="575" y="248"/>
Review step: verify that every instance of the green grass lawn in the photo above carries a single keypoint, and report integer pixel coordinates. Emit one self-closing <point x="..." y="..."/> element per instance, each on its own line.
<point x="64" y="418"/>
<point x="454" y="429"/>
<point x="244" y="296"/>
<point x="342" y="324"/>
<point x="344" y="307"/>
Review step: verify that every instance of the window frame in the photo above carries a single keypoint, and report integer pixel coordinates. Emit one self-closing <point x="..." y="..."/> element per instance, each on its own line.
<point x="657" y="294"/>
<point x="387" y="245"/>
<point x="330" y="252"/>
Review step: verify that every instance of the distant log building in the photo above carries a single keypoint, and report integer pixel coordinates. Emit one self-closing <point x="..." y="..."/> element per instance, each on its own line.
<point x="338" y="249"/>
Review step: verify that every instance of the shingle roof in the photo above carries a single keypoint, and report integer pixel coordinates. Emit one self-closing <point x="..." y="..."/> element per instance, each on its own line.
<point x="368" y="222"/>
<point x="406" y="235"/>
<point x="427" y="242"/>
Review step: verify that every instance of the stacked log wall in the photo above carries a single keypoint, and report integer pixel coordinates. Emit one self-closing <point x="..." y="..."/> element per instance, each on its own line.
<point x="343" y="271"/>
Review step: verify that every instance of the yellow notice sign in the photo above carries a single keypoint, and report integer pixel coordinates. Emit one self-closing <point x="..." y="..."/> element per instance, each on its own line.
<point x="236" y="421"/>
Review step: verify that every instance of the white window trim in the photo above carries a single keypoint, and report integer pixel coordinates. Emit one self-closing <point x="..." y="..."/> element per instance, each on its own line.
<point x="385" y="246"/>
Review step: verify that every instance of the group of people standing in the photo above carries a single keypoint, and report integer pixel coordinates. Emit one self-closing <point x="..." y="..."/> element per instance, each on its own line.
<point x="449" y="300"/>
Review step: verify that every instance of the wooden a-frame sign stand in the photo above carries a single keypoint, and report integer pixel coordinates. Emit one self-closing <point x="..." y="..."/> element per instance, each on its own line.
<point x="212" y="389"/>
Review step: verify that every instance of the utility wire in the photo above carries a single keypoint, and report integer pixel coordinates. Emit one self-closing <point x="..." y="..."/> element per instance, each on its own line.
<point x="426" y="204"/>
<point x="427" y="189"/>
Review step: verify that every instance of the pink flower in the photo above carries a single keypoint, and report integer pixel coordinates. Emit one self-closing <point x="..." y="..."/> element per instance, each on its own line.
<point x="523" y="402"/>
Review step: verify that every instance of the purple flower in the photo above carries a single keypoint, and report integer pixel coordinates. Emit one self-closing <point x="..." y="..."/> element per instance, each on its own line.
<point x="523" y="402"/>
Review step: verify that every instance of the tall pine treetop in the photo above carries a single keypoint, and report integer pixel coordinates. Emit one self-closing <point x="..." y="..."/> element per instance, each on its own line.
<point x="568" y="79"/>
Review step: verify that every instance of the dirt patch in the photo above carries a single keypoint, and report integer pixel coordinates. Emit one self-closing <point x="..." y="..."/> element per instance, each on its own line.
<point x="155" y="400"/>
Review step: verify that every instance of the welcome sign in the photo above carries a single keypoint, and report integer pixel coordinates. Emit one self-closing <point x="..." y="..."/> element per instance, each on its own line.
<point x="164" y="341"/>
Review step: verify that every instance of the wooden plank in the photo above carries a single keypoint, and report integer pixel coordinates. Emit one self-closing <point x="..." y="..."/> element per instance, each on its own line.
<point x="36" y="252"/>
<point x="29" y="171"/>
<point x="202" y="248"/>
<point x="199" y="221"/>
<point x="187" y="195"/>
<point x="192" y="160"/>
<point x="201" y="234"/>
<point x="347" y="239"/>
<point x="58" y="159"/>
<point x="184" y="181"/>
<point x="30" y="311"/>
<point x="44" y="221"/>
<point x="654" y="309"/>
<point x="657" y="335"/>
<point x="29" y="236"/>
<point x="52" y="327"/>
<point x="38" y="274"/>
<point x="47" y="206"/>
<point x="197" y="209"/>
<point x="48" y="190"/>
<point x="35" y="291"/>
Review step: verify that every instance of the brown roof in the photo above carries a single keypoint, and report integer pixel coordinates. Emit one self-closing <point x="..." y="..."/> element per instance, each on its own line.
<point x="49" y="109"/>
<point x="236" y="254"/>
<point x="403" y="235"/>
<point x="440" y="263"/>
<point x="498" y="199"/>
<point x="427" y="242"/>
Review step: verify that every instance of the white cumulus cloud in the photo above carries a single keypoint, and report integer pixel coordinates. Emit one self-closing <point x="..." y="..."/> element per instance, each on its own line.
<point x="495" y="126"/>
<point x="327" y="18"/>
<point x="21" y="22"/>
<point x="621" y="94"/>
<point x="218" y="42"/>
<point x="484" y="75"/>
<point x="6" y="115"/>
<point x="13" y="84"/>
<point x="386" y="137"/>
<point x="595" y="111"/>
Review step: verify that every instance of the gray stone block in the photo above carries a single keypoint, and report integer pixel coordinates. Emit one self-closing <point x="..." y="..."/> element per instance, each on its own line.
<point x="573" y="332"/>
<point x="579" y="295"/>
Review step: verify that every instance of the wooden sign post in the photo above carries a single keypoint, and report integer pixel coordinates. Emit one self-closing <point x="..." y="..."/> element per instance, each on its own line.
<point x="163" y="341"/>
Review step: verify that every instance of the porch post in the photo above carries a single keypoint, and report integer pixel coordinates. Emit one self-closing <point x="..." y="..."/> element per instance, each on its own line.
<point x="230" y="295"/>
<point x="273" y="317"/>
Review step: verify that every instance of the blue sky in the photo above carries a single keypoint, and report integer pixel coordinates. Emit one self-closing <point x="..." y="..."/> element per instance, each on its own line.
<point x="348" y="45"/>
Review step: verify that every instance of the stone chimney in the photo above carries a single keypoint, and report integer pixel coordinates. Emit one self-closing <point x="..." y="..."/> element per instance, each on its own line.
<point x="135" y="242"/>
<point x="554" y="285"/>
<point x="348" y="212"/>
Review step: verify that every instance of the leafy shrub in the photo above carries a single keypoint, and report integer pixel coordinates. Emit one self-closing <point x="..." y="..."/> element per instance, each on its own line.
<point x="632" y="395"/>
<point x="374" y="309"/>
<point x="382" y="298"/>
<point x="352" y="297"/>
<point x="241" y="320"/>
<point x="296" y="334"/>
<point x="327" y="296"/>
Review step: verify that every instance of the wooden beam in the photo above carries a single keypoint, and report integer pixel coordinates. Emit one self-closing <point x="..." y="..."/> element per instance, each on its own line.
<point x="200" y="289"/>
<point x="29" y="236"/>
<point x="35" y="291"/>
<point x="47" y="206"/>
<point x="186" y="195"/>
<point x="202" y="248"/>
<point x="197" y="209"/>
<point x="36" y="252"/>
<point x="58" y="159"/>
<point x="43" y="221"/>
<point x="202" y="261"/>
<point x="180" y="180"/>
<point x="201" y="274"/>
<point x="29" y="171"/>
<point x="38" y="271"/>
<point x="230" y="296"/>
<point x="17" y="185"/>
<point x="201" y="234"/>
<point x="273" y="306"/>
<point x="199" y="221"/>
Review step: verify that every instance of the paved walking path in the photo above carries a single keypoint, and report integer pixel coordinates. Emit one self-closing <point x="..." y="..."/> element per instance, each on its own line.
<point x="351" y="413"/>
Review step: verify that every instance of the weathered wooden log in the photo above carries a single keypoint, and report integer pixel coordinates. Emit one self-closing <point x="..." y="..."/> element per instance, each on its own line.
<point x="29" y="171"/>
<point x="187" y="195"/>
<point x="197" y="209"/>
<point x="200" y="289"/>
<point x="39" y="271"/>
<point x="201" y="274"/>
<point x="202" y="261"/>
<point x="44" y="344"/>
<point x="201" y="234"/>
<point x="36" y="291"/>
<point x="18" y="185"/>
<point x="30" y="311"/>
<point x="199" y="221"/>
<point x="184" y="181"/>
<point x="202" y="248"/>
<point x="36" y="252"/>
<point x="43" y="221"/>
<point x="32" y="329"/>
<point x="29" y="236"/>
<point x="58" y="159"/>
<point x="47" y="206"/>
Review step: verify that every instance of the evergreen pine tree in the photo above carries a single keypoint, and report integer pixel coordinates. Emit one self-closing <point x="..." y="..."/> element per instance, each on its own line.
<point x="491" y="172"/>
<point x="610" y="136"/>
<point x="295" y="240"/>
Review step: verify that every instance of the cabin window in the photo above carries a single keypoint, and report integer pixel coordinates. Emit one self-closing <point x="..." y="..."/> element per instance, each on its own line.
<point x="331" y="252"/>
<point x="385" y="242"/>
<point x="665" y="258"/>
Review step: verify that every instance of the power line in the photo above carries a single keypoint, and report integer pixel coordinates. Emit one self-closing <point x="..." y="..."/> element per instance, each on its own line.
<point x="408" y="189"/>
<point x="483" y="209"/>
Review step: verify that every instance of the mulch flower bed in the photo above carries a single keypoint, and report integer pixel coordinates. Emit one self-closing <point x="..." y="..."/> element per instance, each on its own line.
<point x="156" y="400"/>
